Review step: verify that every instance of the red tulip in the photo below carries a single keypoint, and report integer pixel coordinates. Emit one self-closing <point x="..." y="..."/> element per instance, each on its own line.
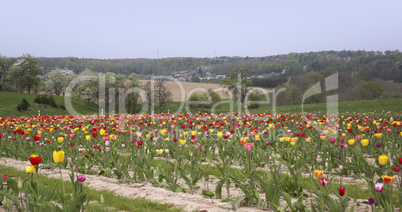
<point x="94" y="135"/>
<point x="36" y="138"/>
<point x="35" y="160"/>
<point x="341" y="191"/>
<point x="400" y="160"/>
<point x="396" y="168"/>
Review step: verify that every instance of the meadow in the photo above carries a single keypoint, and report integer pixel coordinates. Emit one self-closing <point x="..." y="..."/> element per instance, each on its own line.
<point x="288" y="161"/>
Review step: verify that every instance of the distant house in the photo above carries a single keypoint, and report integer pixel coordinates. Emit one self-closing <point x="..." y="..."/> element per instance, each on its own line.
<point x="220" y="77"/>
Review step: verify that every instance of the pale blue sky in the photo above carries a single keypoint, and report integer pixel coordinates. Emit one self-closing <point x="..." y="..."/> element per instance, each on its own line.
<point x="196" y="28"/>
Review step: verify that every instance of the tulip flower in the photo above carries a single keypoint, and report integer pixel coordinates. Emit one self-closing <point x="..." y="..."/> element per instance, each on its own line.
<point x="400" y="160"/>
<point x="396" y="168"/>
<point x="159" y="151"/>
<point x="5" y="176"/>
<point x="81" y="178"/>
<point x="35" y="160"/>
<point x="319" y="173"/>
<point x="351" y="142"/>
<point x="19" y="183"/>
<point x="378" y="135"/>
<point x="182" y="141"/>
<point x="30" y="169"/>
<point x="60" y="139"/>
<point x="319" y="159"/>
<point x="87" y="137"/>
<point x="58" y="156"/>
<point x="379" y="187"/>
<point x="341" y="191"/>
<point x="388" y="179"/>
<point x="249" y="146"/>
<point x="371" y="201"/>
<point x="324" y="181"/>
<point x="365" y="142"/>
<point x="382" y="159"/>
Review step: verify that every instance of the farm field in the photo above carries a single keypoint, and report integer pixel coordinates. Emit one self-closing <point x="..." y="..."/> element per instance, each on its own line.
<point x="178" y="94"/>
<point x="309" y="161"/>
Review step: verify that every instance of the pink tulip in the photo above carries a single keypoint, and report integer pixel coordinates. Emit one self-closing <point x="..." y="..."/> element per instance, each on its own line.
<point x="81" y="178"/>
<point x="249" y="147"/>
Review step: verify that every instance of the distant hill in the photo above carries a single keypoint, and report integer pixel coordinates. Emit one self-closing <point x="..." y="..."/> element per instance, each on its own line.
<point x="365" y="65"/>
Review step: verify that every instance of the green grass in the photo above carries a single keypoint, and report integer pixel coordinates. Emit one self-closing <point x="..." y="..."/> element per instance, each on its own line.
<point x="8" y="102"/>
<point x="117" y="203"/>
<point x="347" y="106"/>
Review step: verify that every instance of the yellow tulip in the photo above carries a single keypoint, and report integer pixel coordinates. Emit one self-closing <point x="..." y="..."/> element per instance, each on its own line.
<point x="219" y="134"/>
<point x="182" y="142"/>
<point x="257" y="137"/>
<point x="382" y="159"/>
<point x="308" y="140"/>
<point x="319" y="173"/>
<point x="292" y="143"/>
<point x="58" y="156"/>
<point x="282" y="139"/>
<point x="294" y="139"/>
<point x="378" y="135"/>
<point x="159" y="151"/>
<point x="351" y="142"/>
<point x="87" y="137"/>
<point x="287" y="139"/>
<point x="365" y="142"/>
<point x="60" y="139"/>
<point x="101" y="132"/>
<point x="30" y="169"/>
<point x="323" y="137"/>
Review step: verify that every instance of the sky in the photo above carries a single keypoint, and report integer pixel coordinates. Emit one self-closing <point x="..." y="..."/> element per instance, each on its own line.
<point x="196" y="28"/>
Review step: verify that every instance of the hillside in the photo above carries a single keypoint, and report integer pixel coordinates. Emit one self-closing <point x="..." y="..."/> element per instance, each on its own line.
<point x="10" y="100"/>
<point x="366" y="65"/>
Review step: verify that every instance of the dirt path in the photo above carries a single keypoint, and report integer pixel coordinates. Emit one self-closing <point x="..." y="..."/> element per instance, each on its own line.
<point x="189" y="202"/>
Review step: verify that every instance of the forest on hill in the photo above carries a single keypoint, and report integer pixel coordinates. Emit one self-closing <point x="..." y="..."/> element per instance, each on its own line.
<point x="366" y="65"/>
<point x="361" y="74"/>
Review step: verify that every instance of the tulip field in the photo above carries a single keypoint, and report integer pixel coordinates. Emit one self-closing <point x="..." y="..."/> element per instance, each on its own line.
<point x="275" y="162"/>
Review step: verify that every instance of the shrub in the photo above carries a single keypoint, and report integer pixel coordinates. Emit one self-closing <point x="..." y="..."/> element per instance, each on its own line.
<point x="23" y="106"/>
<point x="51" y="102"/>
<point x="253" y="97"/>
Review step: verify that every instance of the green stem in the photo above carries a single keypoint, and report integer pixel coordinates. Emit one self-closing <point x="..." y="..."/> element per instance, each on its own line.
<point x="61" y="178"/>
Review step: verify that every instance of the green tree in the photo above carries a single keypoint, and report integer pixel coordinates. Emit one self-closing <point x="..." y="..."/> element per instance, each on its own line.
<point x="372" y="90"/>
<point x="239" y="82"/>
<point x="26" y="74"/>
<point x="5" y="65"/>
<point x="195" y="79"/>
